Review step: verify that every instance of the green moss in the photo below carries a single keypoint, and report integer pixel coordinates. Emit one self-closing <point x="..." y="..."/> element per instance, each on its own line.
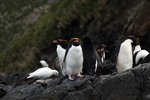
<point x="42" y="31"/>
<point x="12" y="12"/>
<point x="60" y="14"/>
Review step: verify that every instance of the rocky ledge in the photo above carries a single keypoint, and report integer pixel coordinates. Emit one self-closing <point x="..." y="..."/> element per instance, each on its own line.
<point x="133" y="84"/>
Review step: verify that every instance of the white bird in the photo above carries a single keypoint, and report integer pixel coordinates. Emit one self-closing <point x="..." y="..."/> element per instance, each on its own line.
<point x="125" y="56"/>
<point x="44" y="64"/>
<point x="43" y="73"/>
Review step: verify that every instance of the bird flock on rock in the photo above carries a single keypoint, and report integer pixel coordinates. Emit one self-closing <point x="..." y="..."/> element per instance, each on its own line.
<point x="81" y="58"/>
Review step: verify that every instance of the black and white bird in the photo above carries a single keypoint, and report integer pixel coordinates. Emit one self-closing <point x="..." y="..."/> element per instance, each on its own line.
<point x="101" y="51"/>
<point x="73" y="59"/>
<point x="90" y="57"/>
<point x="139" y="56"/>
<point x="146" y="59"/>
<point x="43" y="73"/>
<point x="137" y="47"/>
<point x="125" y="54"/>
<point x="61" y="49"/>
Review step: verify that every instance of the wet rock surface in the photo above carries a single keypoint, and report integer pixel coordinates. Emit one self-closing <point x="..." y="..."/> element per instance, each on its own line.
<point x="132" y="84"/>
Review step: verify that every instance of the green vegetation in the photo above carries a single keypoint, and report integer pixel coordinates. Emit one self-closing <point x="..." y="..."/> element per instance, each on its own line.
<point x="11" y="15"/>
<point x="20" y="53"/>
<point x="12" y="30"/>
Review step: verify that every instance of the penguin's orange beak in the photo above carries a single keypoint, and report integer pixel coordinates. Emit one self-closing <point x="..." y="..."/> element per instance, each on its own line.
<point x="76" y="41"/>
<point x="54" y="41"/>
<point x="102" y="49"/>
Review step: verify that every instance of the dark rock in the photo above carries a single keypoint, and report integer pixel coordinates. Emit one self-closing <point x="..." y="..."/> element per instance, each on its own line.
<point x="23" y="92"/>
<point x="15" y="78"/>
<point x="3" y="90"/>
<point x="84" y="94"/>
<point x="133" y="84"/>
<point x="128" y="85"/>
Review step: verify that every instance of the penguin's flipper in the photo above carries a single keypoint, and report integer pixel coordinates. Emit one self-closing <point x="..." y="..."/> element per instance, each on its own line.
<point x="107" y="51"/>
<point x="65" y="54"/>
<point x="116" y="52"/>
<point x="146" y="59"/>
<point x="64" y="62"/>
<point x="134" y="57"/>
<point x="99" y="59"/>
<point x="63" y="69"/>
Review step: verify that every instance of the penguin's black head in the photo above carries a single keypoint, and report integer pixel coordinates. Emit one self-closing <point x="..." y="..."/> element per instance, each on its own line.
<point x="133" y="38"/>
<point x="137" y="41"/>
<point x="138" y="37"/>
<point x="101" y="48"/>
<point x="61" y="42"/>
<point x="86" y="40"/>
<point x="75" y="41"/>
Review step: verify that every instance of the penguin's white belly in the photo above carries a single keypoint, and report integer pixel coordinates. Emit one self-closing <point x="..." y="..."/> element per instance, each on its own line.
<point x="60" y="54"/>
<point x="96" y="66"/>
<point x="136" y="49"/>
<point x="141" y="55"/>
<point x="74" y="60"/>
<point x="125" y="59"/>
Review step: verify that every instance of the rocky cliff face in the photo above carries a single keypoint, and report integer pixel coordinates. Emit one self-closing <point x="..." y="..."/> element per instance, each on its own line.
<point x="107" y="22"/>
<point x="104" y="21"/>
<point x="133" y="84"/>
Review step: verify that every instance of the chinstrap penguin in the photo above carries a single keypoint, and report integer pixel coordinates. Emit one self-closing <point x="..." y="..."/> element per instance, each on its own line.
<point x="125" y="55"/>
<point x="73" y="59"/>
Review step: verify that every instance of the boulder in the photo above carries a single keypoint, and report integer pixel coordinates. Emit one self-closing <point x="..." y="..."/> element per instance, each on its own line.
<point x="3" y="90"/>
<point x="15" y="78"/>
<point x="133" y="84"/>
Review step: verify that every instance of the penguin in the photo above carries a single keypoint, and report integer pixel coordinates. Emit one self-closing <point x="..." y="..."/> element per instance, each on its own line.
<point x="101" y="51"/>
<point x="43" y="73"/>
<point x="125" y="55"/>
<point x="139" y="56"/>
<point x="137" y="47"/>
<point x="73" y="59"/>
<point x="146" y="59"/>
<point x="61" y="49"/>
<point x="90" y="59"/>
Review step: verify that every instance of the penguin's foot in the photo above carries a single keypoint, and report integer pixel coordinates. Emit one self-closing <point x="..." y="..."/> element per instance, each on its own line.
<point x="79" y="75"/>
<point x="70" y="78"/>
<point x="63" y="73"/>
